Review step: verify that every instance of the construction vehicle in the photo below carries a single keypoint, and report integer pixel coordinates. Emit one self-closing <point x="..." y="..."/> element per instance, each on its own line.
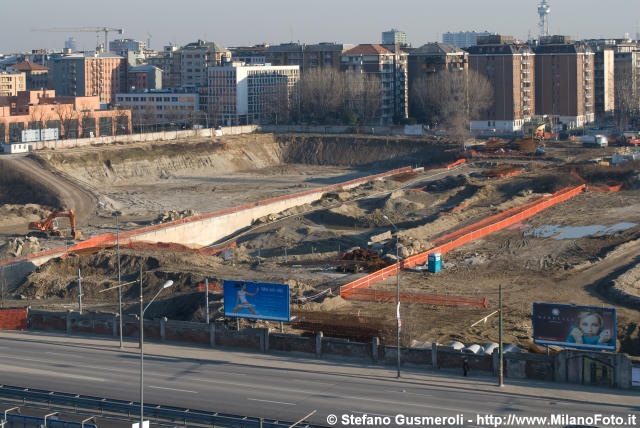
<point x="49" y="227"/>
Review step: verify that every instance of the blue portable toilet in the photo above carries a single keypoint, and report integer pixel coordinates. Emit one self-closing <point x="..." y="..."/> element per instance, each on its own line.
<point x="434" y="262"/>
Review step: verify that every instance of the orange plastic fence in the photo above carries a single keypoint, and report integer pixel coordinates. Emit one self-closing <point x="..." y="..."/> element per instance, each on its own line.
<point x="612" y="186"/>
<point x="426" y="299"/>
<point x="475" y="233"/>
<point x="13" y="319"/>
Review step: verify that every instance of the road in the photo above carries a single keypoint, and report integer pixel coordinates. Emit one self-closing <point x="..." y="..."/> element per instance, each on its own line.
<point x="281" y="387"/>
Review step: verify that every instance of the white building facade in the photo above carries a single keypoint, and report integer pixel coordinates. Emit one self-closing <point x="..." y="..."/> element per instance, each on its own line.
<point x="239" y="94"/>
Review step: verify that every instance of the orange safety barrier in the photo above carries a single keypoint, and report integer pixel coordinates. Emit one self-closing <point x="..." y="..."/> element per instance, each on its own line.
<point x="13" y="319"/>
<point x="532" y="209"/>
<point x="612" y="186"/>
<point x="458" y="162"/>
<point x="420" y="298"/>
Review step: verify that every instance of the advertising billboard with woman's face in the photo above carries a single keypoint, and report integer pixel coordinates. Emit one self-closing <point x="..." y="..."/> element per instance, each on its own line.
<point x="256" y="300"/>
<point x="586" y="327"/>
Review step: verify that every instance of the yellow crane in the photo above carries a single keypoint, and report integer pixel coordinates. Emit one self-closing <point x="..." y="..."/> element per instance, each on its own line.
<point x="97" y="30"/>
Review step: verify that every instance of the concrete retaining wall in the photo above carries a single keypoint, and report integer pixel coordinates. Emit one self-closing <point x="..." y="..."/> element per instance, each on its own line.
<point x="566" y="366"/>
<point x="148" y="136"/>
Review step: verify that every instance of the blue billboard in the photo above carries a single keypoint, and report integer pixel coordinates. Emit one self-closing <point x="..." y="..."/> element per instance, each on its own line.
<point x="256" y="300"/>
<point x="585" y="327"/>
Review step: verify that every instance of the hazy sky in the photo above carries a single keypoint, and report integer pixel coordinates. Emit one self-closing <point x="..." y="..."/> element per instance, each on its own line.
<point x="242" y="22"/>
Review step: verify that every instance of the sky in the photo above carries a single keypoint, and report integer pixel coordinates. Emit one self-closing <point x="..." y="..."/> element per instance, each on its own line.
<point x="245" y="22"/>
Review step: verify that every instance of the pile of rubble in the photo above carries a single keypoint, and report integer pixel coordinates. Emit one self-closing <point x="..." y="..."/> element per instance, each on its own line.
<point x="359" y="260"/>
<point x="174" y="215"/>
<point x="17" y="247"/>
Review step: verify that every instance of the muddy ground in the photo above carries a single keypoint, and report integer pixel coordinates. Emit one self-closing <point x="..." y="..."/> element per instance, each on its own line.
<point x="527" y="259"/>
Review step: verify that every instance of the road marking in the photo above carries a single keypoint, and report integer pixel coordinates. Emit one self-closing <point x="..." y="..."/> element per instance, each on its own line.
<point x="59" y="354"/>
<point x="371" y="414"/>
<point x="269" y="401"/>
<point x="173" y="389"/>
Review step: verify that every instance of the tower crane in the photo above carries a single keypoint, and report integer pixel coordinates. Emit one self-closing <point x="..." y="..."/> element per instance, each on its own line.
<point x="106" y="31"/>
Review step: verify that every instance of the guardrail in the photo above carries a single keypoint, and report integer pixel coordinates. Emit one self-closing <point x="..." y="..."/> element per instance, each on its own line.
<point x="102" y="407"/>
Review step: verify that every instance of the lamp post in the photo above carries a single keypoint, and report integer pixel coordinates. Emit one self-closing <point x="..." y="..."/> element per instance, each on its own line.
<point x="167" y="284"/>
<point x="398" y="322"/>
<point x="48" y="415"/>
<point x="4" y="421"/>
<point x="116" y="214"/>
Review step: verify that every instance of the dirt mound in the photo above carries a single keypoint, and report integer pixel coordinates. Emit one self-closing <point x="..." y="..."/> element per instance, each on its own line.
<point x="19" y="247"/>
<point x="15" y="214"/>
<point x="59" y="277"/>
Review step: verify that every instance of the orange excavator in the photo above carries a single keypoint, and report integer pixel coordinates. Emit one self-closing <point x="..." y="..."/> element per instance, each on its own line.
<point x="50" y="225"/>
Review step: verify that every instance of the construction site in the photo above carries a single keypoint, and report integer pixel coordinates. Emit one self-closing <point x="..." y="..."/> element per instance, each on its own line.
<point x="327" y="214"/>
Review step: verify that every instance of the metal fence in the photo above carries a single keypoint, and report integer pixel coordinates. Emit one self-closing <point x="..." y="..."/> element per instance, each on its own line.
<point x="119" y="409"/>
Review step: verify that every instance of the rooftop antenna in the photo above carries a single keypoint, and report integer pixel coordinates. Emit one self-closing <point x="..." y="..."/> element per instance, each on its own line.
<point x="543" y="13"/>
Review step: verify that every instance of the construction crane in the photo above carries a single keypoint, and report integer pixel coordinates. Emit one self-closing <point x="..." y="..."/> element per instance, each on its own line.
<point x="106" y="31"/>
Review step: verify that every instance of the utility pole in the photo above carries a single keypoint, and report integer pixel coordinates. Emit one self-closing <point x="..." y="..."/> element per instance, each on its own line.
<point x="141" y="314"/>
<point x="500" y="369"/>
<point x="206" y="298"/>
<point x="79" y="292"/>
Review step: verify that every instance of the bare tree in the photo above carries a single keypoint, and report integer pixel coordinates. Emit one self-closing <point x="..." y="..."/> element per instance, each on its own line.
<point x="627" y="99"/>
<point x="363" y="96"/>
<point x="67" y="118"/>
<point x="322" y="95"/>
<point x="452" y="98"/>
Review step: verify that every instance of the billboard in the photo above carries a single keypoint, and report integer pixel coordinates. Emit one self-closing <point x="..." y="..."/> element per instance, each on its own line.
<point x="256" y="300"/>
<point x="574" y="326"/>
<point x="30" y="135"/>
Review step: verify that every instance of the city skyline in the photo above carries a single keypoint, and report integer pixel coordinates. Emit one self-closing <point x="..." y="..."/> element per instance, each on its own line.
<point x="251" y="22"/>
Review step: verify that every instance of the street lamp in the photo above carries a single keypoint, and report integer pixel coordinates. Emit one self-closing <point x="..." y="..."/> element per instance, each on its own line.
<point x="47" y="415"/>
<point x="4" y="421"/>
<point x="167" y="284"/>
<point x="116" y="214"/>
<point x="398" y="321"/>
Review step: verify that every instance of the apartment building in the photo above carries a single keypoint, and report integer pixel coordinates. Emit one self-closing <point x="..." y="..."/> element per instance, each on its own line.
<point x="37" y="76"/>
<point x="170" y="68"/>
<point x="285" y="54"/>
<point x="144" y="77"/>
<point x="510" y="68"/>
<point x="391" y="68"/>
<point x="323" y="55"/>
<point x="240" y="94"/>
<point x="12" y="82"/>
<point x="73" y="116"/>
<point x="394" y="37"/>
<point x="194" y="59"/>
<point x="627" y="65"/>
<point x="122" y="46"/>
<point x="92" y="74"/>
<point x="166" y="106"/>
<point x="565" y="79"/>
<point x="463" y="39"/>
<point x="250" y="55"/>
<point x="604" y="78"/>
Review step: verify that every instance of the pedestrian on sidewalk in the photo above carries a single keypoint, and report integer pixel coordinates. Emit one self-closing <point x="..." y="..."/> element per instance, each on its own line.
<point x="465" y="366"/>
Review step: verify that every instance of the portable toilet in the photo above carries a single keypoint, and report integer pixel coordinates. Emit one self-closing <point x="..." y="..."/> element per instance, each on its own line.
<point x="434" y="262"/>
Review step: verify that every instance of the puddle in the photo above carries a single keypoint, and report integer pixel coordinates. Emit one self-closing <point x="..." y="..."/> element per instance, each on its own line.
<point x="577" y="232"/>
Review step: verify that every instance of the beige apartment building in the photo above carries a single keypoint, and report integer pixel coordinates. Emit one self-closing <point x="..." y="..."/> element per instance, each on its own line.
<point x="510" y="68"/>
<point x="11" y="83"/>
<point x="565" y="77"/>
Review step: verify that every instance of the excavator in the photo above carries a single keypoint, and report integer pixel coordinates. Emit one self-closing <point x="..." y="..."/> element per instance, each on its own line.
<point x="50" y="225"/>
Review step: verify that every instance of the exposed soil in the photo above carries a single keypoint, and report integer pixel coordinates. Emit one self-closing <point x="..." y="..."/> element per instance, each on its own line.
<point x="301" y="246"/>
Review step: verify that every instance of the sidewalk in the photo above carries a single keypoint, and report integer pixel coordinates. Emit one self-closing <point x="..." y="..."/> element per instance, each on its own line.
<point x="445" y="379"/>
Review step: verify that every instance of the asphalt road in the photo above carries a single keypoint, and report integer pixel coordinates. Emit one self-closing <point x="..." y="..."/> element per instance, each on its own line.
<point x="281" y="387"/>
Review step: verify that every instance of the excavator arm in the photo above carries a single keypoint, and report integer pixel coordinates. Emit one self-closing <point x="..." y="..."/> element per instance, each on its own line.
<point x="49" y="224"/>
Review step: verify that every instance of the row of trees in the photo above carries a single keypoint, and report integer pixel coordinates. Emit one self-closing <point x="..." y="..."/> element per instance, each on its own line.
<point x="448" y="98"/>
<point x="627" y="100"/>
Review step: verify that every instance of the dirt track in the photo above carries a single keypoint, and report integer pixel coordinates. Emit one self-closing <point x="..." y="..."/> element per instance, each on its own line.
<point x="71" y="194"/>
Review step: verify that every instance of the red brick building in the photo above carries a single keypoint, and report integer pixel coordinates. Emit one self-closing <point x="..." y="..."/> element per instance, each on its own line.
<point x="74" y="117"/>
